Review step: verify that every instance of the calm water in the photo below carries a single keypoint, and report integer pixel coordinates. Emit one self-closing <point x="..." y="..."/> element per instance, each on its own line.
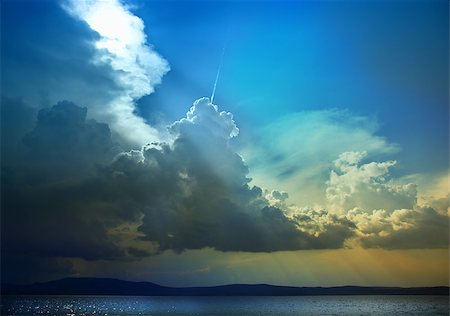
<point x="300" y="305"/>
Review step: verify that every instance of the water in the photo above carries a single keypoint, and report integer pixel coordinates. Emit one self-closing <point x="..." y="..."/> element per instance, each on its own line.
<point x="242" y="306"/>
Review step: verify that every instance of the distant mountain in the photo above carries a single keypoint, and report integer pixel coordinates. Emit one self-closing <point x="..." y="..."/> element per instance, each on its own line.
<point x="102" y="286"/>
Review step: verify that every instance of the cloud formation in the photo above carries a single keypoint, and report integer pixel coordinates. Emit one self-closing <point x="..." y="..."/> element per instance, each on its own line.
<point x="191" y="194"/>
<point x="295" y="152"/>
<point x="64" y="138"/>
<point x="199" y="194"/>
<point x="421" y="227"/>
<point x="113" y="190"/>
<point x="385" y="213"/>
<point x="42" y="64"/>
<point x="48" y="207"/>
<point x="365" y="185"/>
<point x="96" y="202"/>
<point x="122" y="44"/>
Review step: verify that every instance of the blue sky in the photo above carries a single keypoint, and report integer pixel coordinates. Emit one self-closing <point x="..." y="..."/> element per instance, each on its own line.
<point x="385" y="60"/>
<point x="328" y="141"/>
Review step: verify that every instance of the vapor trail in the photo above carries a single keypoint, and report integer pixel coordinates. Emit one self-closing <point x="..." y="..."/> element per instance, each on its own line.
<point x="217" y="76"/>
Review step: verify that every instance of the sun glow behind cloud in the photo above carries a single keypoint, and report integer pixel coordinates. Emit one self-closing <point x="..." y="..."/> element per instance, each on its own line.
<point x="123" y="45"/>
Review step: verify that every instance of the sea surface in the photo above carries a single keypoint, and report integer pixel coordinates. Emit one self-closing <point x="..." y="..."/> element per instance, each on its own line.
<point x="232" y="305"/>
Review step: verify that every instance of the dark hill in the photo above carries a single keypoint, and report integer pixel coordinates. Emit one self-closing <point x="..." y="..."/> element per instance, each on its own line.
<point x="102" y="286"/>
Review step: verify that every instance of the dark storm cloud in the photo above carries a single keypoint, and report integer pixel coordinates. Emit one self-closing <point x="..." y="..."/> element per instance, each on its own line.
<point x="17" y="118"/>
<point x="196" y="193"/>
<point x="48" y="205"/>
<point x="70" y="194"/>
<point x="65" y="195"/>
<point x="64" y="198"/>
<point x="70" y="190"/>
<point x="64" y="138"/>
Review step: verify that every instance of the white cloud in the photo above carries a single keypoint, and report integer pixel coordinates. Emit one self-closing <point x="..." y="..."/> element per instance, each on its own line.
<point x="430" y="186"/>
<point x="207" y="115"/>
<point x="385" y="212"/>
<point x="122" y="44"/>
<point x="194" y="193"/>
<point x="354" y="184"/>
<point x="421" y="227"/>
<point x="295" y="153"/>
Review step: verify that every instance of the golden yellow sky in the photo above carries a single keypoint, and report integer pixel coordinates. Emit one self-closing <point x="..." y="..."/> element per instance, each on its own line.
<point x="371" y="267"/>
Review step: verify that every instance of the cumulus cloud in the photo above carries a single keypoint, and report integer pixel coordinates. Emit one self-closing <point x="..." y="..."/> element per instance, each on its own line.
<point x="70" y="193"/>
<point x="421" y="227"/>
<point x="328" y="160"/>
<point x="64" y="138"/>
<point x="385" y="213"/>
<point x="48" y="205"/>
<point x="199" y="194"/>
<point x="365" y="186"/>
<point x="367" y="208"/>
<point x="295" y="153"/>
<point x="204" y="114"/>
<point x="122" y="44"/>
<point x="69" y="190"/>
<point x="193" y="193"/>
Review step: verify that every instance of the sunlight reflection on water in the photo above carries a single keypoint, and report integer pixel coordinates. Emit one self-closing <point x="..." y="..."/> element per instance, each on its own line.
<point x="300" y="305"/>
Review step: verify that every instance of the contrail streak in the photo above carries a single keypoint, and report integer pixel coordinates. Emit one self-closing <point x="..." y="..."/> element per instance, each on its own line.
<point x="217" y="76"/>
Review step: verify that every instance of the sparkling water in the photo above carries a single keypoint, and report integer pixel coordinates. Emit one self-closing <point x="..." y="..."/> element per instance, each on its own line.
<point x="232" y="305"/>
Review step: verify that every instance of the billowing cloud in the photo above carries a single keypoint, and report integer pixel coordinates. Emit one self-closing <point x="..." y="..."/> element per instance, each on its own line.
<point x="326" y="159"/>
<point x="191" y="194"/>
<point x="48" y="207"/>
<point x="64" y="138"/>
<point x="204" y="114"/>
<point x="295" y="153"/>
<point x="199" y="194"/>
<point x="421" y="227"/>
<point x="364" y="185"/>
<point x="115" y="190"/>
<point x="385" y="213"/>
<point x="94" y="202"/>
<point x="122" y="44"/>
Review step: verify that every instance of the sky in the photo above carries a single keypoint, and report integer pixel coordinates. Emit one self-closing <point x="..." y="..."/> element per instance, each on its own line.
<point x="322" y="160"/>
